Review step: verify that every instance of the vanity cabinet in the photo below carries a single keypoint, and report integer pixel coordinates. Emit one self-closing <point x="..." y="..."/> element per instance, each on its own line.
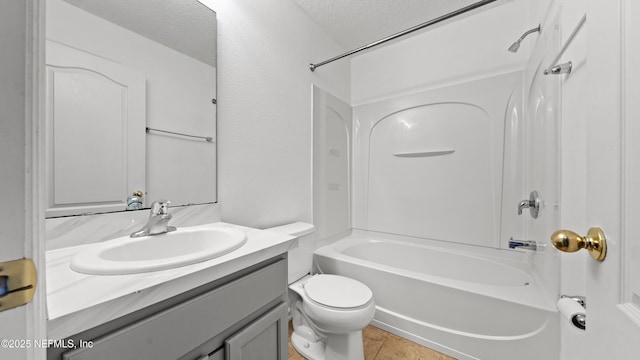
<point x="240" y="317"/>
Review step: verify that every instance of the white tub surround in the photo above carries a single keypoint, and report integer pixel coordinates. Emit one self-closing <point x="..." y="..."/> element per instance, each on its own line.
<point x="77" y="302"/>
<point x="427" y="162"/>
<point x="466" y="301"/>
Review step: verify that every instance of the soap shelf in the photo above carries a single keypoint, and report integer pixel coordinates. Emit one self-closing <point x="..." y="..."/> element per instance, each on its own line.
<point x="424" y="153"/>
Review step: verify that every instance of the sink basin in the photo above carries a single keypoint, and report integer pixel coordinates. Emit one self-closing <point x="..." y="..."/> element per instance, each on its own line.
<point x="184" y="246"/>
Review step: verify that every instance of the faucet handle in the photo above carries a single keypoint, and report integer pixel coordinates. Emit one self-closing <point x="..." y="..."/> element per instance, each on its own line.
<point x="160" y="207"/>
<point x="533" y="204"/>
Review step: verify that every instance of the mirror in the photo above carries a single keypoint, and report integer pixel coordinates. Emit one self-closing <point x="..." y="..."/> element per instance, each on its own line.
<point x="131" y="89"/>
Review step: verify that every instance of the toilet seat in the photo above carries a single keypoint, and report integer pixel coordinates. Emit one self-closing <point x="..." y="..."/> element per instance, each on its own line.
<point x="337" y="291"/>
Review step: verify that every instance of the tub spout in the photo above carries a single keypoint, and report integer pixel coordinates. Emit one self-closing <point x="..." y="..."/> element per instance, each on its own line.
<point x="524" y="244"/>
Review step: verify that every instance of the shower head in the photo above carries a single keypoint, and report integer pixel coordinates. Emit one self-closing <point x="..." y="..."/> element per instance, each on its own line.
<point x="516" y="45"/>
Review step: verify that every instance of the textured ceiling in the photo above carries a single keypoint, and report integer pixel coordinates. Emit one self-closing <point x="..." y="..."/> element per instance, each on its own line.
<point x="183" y="25"/>
<point x="354" y="23"/>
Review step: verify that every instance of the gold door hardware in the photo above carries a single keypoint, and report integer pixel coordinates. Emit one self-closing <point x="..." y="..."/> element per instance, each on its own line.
<point x="594" y="242"/>
<point x="17" y="283"/>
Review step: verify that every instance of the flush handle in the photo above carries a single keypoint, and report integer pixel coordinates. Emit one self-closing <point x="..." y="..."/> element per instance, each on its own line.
<point x="594" y="242"/>
<point x="17" y="283"/>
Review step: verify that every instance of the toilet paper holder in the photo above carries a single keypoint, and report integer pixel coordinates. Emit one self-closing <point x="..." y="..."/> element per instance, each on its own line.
<point x="582" y="300"/>
<point x="579" y="320"/>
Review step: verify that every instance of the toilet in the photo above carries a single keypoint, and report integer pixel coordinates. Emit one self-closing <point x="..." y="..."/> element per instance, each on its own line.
<point x="328" y="311"/>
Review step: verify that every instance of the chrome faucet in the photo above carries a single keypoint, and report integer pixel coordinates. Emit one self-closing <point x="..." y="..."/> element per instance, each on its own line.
<point x="158" y="220"/>
<point x="524" y="244"/>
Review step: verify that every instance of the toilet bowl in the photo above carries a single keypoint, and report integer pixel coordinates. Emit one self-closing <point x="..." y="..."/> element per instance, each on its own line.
<point x="328" y="311"/>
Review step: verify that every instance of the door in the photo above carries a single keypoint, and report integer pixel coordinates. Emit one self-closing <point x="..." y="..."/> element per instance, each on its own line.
<point x="613" y="169"/>
<point x="95" y="115"/>
<point x="21" y="223"/>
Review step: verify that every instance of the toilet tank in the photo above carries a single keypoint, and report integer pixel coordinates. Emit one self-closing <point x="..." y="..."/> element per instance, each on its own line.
<point x="300" y="257"/>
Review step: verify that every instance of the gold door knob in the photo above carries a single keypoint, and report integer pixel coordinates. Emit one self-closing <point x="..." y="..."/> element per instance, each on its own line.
<point x="594" y="242"/>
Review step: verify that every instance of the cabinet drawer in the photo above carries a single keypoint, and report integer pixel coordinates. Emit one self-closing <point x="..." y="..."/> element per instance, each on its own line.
<point x="175" y="331"/>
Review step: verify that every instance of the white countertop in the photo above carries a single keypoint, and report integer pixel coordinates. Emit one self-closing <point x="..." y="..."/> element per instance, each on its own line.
<point x="78" y="302"/>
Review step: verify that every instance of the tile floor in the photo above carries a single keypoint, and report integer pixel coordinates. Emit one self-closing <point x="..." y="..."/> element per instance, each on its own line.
<point x="381" y="345"/>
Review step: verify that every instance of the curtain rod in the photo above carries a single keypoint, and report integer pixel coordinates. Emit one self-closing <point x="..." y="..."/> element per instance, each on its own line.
<point x="460" y="11"/>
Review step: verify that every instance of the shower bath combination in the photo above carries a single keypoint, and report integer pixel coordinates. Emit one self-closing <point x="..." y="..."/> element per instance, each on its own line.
<point x="429" y="275"/>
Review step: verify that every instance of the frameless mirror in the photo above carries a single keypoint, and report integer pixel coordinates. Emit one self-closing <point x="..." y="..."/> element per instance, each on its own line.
<point x="131" y="109"/>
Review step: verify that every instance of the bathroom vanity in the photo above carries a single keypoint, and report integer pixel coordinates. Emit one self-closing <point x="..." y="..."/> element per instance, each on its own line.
<point x="230" y="307"/>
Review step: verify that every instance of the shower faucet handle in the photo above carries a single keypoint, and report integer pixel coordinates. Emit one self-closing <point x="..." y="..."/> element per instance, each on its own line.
<point x="533" y="204"/>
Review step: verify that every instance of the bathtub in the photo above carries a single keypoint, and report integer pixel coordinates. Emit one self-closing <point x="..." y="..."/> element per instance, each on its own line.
<point x="467" y="302"/>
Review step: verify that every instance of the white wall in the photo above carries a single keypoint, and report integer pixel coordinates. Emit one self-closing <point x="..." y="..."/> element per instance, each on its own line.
<point x="467" y="48"/>
<point x="264" y="108"/>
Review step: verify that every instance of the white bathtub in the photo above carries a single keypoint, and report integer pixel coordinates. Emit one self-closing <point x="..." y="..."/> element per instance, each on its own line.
<point x="478" y="304"/>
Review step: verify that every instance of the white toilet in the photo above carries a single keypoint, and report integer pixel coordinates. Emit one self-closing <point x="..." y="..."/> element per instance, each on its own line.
<point x="328" y="311"/>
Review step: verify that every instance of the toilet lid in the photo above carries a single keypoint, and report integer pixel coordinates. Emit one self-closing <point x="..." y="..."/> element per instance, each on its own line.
<point x="337" y="291"/>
